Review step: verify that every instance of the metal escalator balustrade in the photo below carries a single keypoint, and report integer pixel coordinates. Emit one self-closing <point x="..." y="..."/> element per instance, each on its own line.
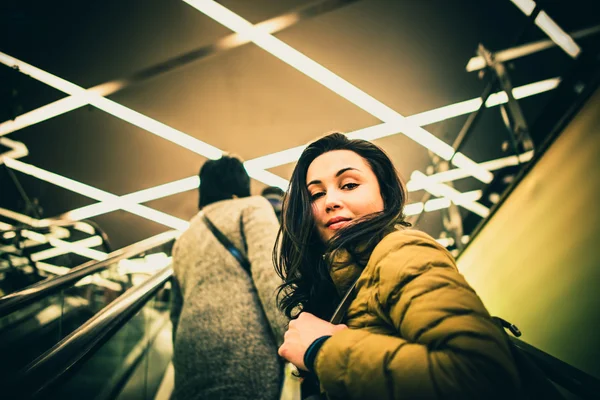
<point x="36" y="318"/>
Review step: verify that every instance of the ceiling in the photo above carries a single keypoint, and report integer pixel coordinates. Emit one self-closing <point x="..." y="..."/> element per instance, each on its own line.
<point x="409" y="55"/>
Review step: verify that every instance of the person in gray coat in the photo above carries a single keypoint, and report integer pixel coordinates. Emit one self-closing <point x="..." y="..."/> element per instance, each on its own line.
<point x="226" y="325"/>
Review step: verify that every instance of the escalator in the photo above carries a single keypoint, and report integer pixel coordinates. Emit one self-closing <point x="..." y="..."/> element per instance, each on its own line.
<point x="34" y="319"/>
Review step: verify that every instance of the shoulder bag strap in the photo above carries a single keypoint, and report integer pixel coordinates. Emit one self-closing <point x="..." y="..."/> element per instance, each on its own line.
<point x="235" y="252"/>
<point x="340" y="311"/>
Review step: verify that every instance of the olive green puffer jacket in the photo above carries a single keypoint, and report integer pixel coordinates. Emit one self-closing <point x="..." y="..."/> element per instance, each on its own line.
<point x="417" y="330"/>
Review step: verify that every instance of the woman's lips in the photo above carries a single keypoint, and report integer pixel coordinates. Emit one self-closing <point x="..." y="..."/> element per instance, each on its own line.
<point x="338" y="225"/>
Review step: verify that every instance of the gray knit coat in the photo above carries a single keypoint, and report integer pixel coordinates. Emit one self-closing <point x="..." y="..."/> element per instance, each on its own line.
<point x="224" y="347"/>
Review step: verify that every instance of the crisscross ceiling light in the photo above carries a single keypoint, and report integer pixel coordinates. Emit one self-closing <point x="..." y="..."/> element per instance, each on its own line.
<point x="97" y="194"/>
<point x="441" y="190"/>
<point x="116" y="109"/>
<point x="338" y="85"/>
<point x="257" y="168"/>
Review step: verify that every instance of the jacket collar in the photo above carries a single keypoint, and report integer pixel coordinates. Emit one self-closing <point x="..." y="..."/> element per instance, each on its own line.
<point x="343" y="270"/>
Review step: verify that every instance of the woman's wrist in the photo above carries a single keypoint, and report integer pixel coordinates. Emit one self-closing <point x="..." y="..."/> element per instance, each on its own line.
<point x="311" y="353"/>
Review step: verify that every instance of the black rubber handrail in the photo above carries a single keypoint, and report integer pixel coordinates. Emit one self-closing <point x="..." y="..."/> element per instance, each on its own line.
<point x="43" y="289"/>
<point x="62" y="360"/>
<point x="564" y="375"/>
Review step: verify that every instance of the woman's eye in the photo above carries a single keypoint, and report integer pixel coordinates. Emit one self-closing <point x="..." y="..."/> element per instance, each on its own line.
<point x="350" y="186"/>
<point x="315" y="196"/>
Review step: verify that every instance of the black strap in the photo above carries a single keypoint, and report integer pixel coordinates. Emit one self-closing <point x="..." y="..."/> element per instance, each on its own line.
<point x="340" y="311"/>
<point x="535" y="382"/>
<point x="244" y="262"/>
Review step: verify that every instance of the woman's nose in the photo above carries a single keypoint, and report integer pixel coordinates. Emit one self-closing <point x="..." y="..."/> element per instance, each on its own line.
<point x="332" y="202"/>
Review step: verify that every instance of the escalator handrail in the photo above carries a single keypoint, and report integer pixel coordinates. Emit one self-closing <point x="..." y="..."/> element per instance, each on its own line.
<point x="62" y="360"/>
<point x="43" y="289"/>
<point x="565" y="375"/>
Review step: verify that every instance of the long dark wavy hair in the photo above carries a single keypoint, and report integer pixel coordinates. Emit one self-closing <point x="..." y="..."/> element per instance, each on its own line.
<point x="300" y="255"/>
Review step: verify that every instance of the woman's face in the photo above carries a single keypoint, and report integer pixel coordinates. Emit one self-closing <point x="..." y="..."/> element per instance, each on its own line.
<point x="342" y="187"/>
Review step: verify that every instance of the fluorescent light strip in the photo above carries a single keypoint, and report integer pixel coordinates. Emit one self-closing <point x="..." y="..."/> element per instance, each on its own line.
<point x="25" y="219"/>
<point x="165" y="190"/>
<point x="441" y="190"/>
<point x="449" y="241"/>
<point x="71" y="247"/>
<point x="98" y="194"/>
<point x="127" y="114"/>
<point x="558" y="36"/>
<point x="73" y="102"/>
<point x="476" y="63"/>
<point x="5" y="226"/>
<point x="90" y="279"/>
<point x="42" y="114"/>
<point x="116" y="109"/>
<point x="18" y="149"/>
<point x="97" y="280"/>
<point x="333" y="82"/>
<point x="61" y="234"/>
<point x="142" y="196"/>
<point x="58" y="231"/>
<point x="425" y="118"/>
<point x="455" y="174"/>
<point x="527" y="6"/>
<point x="58" y="251"/>
<point x="550" y="28"/>
<point x="440" y="203"/>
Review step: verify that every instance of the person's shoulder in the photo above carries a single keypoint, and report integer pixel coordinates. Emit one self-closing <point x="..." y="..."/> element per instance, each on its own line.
<point x="403" y="239"/>
<point x="407" y="236"/>
<point x="255" y="201"/>
<point x="255" y="204"/>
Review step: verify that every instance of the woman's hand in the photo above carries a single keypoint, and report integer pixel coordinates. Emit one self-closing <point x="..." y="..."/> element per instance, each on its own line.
<point x="301" y="332"/>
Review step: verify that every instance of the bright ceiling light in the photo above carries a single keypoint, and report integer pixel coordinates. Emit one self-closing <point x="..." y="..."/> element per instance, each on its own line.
<point x="441" y="190"/>
<point x="455" y="174"/>
<point x="69" y="247"/>
<point x="42" y="114"/>
<point x="527" y="6"/>
<point x="550" y="28"/>
<point x="440" y="203"/>
<point x="444" y="202"/>
<point x="413" y="208"/>
<point x="268" y="177"/>
<point x="15" y="216"/>
<point x="558" y="36"/>
<point x="5" y="227"/>
<point x="57" y="251"/>
<point x="476" y="63"/>
<point x="335" y="83"/>
<point x="446" y="241"/>
<point x="425" y="118"/>
<point x="116" y="109"/>
<point x="24" y="244"/>
<point x="98" y="194"/>
<point x="142" y="196"/>
<point x="17" y="149"/>
<point x="73" y="102"/>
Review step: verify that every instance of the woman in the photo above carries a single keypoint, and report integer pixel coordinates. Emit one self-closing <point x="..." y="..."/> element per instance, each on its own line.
<point x="415" y="328"/>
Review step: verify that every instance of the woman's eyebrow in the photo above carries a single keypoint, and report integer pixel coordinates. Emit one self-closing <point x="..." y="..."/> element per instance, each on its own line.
<point x="340" y="172"/>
